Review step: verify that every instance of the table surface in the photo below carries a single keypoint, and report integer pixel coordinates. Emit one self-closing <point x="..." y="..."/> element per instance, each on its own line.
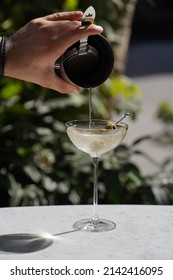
<point x="46" y="232"/>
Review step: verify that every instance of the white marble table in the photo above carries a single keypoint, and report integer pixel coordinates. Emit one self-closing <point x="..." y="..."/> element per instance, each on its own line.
<point x="142" y="233"/>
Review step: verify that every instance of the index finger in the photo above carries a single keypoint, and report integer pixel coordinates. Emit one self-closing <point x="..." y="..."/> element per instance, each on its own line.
<point x="75" y="15"/>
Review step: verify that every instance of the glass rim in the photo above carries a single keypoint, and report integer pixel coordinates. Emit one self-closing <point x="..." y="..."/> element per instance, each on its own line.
<point x="104" y="121"/>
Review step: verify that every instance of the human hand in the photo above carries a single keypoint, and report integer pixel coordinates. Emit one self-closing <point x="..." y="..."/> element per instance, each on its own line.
<point x="33" y="50"/>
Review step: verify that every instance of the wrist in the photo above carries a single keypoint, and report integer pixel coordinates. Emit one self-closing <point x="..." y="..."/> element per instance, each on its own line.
<point x="3" y="50"/>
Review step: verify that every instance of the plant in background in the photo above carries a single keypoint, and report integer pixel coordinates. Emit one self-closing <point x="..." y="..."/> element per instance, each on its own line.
<point x="117" y="95"/>
<point x="165" y="115"/>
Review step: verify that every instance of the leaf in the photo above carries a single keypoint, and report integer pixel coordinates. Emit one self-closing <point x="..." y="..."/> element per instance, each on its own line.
<point x="123" y="85"/>
<point x="119" y="3"/>
<point x="70" y="5"/>
<point x="49" y="184"/>
<point x="18" y="110"/>
<point x="76" y="100"/>
<point x="167" y="161"/>
<point x="32" y="172"/>
<point x="15" y="192"/>
<point x="10" y="90"/>
<point x="141" y="139"/>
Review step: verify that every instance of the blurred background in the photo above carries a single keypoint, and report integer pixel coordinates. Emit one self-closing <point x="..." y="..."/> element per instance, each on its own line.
<point x="38" y="163"/>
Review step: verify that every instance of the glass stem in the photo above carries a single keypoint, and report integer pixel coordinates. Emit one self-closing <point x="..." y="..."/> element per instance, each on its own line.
<point x="95" y="217"/>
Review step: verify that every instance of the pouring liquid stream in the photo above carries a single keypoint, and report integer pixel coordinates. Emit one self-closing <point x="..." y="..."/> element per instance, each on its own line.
<point x="90" y="106"/>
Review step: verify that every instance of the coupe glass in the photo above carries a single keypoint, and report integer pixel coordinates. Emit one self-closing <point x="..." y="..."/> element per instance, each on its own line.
<point x="95" y="137"/>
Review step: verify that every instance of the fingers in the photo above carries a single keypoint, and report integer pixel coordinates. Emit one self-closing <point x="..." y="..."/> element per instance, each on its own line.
<point x="91" y="29"/>
<point x="63" y="87"/>
<point x="56" y="83"/>
<point x="76" y="15"/>
<point x="77" y="33"/>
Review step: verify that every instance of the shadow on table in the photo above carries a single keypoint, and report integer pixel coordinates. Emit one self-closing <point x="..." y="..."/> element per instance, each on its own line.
<point x="23" y="243"/>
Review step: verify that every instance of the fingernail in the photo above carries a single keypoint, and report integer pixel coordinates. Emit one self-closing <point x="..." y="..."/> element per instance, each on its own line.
<point x="100" y="28"/>
<point x="76" y="90"/>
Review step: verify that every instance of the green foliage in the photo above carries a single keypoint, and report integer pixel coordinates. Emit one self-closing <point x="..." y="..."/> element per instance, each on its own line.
<point x="165" y="112"/>
<point x="33" y="144"/>
<point x="71" y="5"/>
<point x="120" y="94"/>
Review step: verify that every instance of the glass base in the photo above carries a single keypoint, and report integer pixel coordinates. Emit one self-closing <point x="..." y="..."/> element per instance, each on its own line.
<point x="95" y="226"/>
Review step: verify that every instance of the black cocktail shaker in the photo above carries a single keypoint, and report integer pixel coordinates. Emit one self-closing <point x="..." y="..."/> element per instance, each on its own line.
<point x="88" y="62"/>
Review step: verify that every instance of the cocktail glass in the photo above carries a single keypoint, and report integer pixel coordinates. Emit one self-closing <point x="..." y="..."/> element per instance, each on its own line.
<point x="95" y="137"/>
